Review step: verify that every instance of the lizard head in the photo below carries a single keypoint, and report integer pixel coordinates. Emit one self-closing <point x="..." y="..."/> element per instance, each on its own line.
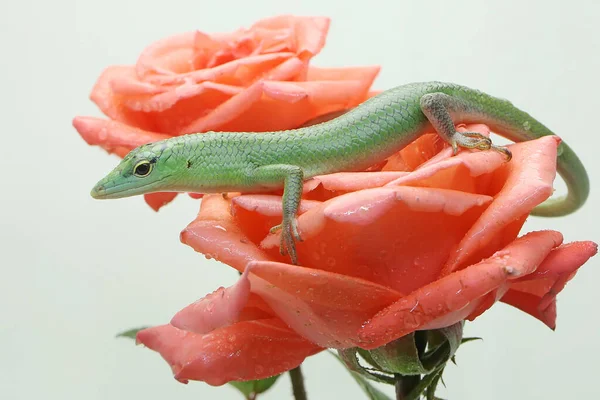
<point x="143" y="170"/>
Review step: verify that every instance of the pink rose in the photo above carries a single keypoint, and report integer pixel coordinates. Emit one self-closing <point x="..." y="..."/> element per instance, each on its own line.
<point x="423" y="242"/>
<point x="255" y="79"/>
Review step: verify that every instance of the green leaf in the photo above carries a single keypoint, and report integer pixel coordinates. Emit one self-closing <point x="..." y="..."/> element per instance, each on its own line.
<point x="470" y="339"/>
<point x="348" y="356"/>
<point x="445" y="349"/>
<point x="250" y="389"/>
<point x="430" y="391"/>
<point x="367" y="356"/>
<point x="426" y="383"/>
<point x="372" y="392"/>
<point x="401" y="357"/>
<point x="131" y="332"/>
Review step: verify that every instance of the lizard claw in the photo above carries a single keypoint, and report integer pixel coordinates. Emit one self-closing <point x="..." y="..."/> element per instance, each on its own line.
<point x="475" y="140"/>
<point x="289" y="236"/>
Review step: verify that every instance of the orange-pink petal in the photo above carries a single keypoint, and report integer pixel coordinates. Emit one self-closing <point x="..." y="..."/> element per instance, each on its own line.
<point x="385" y="234"/>
<point x="160" y="199"/>
<point x="324" y="307"/>
<point x="243" y="351"/>
<point x="216" y="310"/>
<point x="215" y="234"/>
<point x="536" y="293"/>
<point x="307" y="34"/>
<point x="521" y="184"/>
<point x="110" y="134"/>
<point x="456" y="293"/>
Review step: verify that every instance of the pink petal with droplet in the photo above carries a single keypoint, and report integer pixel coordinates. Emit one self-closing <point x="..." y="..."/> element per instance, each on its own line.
<point x="269" y="205"/>
<point x="216" y="310"/>
<point x="309" y="32"/>
<point x="215" y="234"/>
<point x="385" y="234"/>
<point x="324" y="307"/>
<point x="353" y="181"/>
<point x="111" y="134"/>
<point x="536" y="293"/>
<point x="160" y="199"/>
<point x="458" y="290"/>
<point x="243" y="351"/>
<point x="167" y="98"/>
<point x="528" y="182"/>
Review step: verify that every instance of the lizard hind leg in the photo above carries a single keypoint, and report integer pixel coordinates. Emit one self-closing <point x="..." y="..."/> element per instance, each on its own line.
<point x="439" y="107"/>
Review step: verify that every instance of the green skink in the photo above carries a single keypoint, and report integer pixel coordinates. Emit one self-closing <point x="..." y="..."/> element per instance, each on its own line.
<point x="218" y="162"/>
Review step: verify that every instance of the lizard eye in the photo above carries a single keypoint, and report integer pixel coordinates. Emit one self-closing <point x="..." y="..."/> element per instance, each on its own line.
<point x="142" y="169"/>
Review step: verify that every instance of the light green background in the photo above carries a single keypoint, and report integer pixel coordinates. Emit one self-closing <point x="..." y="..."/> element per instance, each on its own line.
<point x="75" y="271"/>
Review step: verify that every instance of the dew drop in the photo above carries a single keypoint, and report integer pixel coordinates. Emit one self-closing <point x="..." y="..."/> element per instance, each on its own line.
<point x="259" y="369"/>
<point x="231" y="338"/>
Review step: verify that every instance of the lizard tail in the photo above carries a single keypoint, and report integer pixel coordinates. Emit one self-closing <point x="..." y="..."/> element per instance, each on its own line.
<point x="516" y="125"/>
<point x="571" y="169"/>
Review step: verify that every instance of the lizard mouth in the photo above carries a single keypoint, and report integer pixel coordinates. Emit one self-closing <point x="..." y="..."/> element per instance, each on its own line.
<point x="101" y="191"/>
<point x="105" y="190"/>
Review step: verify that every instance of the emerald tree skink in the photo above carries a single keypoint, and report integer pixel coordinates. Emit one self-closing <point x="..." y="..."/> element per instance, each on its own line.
<point x="216" y="162"/>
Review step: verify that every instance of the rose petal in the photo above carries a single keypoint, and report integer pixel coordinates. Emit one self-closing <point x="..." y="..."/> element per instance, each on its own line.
<point x="158" y="200"/>
<point x="456" y="173"/>
<point x="383" y="235"/>
<point x="458" y="290"/>
<point x="309" y="33"/>
<point x="290" y="69"/>
<point x="226" y="111"/>
<point x="257" y="214"/>
<point x="242" y="72"/>
<point x="530" y="304"/>
<point x="112" y="134"/>
<point x="275" y="105"/>
<point x="527" y="183"/>
<point x="536" y="293"/>
<point x="165" y="56"/>
<point x="426" y="150"/>
<point x="343" y="182"/>
<point x="368" y="72"/>
<point x="111" y="103"/>
<point x="202" y="96"/>
<point x="243" y="351"/>
<point x="216" y="310"/>
<point x="324" y="307"/>
<point x="215" y="234"/>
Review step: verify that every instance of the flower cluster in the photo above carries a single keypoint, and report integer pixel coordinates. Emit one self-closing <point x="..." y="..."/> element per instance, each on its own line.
<point x="422" y="241"/>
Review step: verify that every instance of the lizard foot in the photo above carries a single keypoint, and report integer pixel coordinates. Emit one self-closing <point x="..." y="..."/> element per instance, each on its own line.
<point x="475" y="140"/>
<point x="289" y="236"/>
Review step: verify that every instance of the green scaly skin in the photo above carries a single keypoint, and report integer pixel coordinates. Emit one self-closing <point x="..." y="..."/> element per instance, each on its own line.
<point x="218" y="162"/>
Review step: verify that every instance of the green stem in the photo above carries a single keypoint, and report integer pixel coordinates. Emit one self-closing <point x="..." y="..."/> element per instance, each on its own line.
<point x="298" y="383"/>
<point x="405" y="385"/>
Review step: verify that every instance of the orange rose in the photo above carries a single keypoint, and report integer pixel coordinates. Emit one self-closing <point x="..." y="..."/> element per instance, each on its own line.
<point x="255" y="79"/>
<point x="425" y="242"/>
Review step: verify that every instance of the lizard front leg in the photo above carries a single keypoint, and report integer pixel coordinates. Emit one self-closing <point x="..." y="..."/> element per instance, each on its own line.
<point x="438" y="107"/>
<point x="292" y="178"/>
